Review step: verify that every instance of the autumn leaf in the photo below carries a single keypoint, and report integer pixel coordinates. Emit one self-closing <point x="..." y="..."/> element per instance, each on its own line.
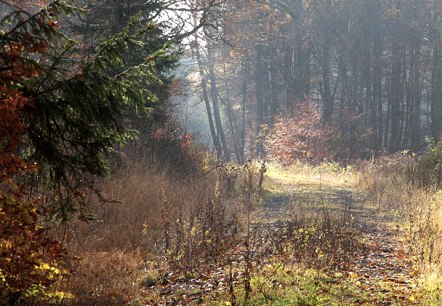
<point x="400" y="254"/>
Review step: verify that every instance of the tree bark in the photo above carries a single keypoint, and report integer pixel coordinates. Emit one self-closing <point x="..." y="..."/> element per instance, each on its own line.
<point x="216" y="106"/>
<point x="415" y="114"/>
<point x="436" y="77"/>
<point x="395" y="98"/>
<point x="327" y="98"/>
<point x="259" y="70"/>
<point x="244" y="105"/>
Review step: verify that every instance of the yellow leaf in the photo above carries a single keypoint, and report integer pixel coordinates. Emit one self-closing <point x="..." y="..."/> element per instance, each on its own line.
<point x="8" y="244"/>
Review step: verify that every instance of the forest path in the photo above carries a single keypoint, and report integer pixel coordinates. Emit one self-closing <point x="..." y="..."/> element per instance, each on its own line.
<point x="313" y="240"/>
<point x="379" y="273"/>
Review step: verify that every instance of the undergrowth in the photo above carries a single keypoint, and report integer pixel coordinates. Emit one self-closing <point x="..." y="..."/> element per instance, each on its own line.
<point x="290" y="261"/>
<point x="201" y="240"/>
<point x="402" y="188"/>
<point x="159" y="226"/>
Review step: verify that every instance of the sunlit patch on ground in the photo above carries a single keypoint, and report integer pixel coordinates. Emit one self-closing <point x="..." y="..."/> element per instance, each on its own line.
<point x="314" y="240"/>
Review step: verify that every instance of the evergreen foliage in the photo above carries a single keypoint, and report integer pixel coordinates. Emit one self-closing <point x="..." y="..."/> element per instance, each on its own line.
<point x="105" y="18"/>
<point x="62" y="115"/>
<point x="78" y="110"/>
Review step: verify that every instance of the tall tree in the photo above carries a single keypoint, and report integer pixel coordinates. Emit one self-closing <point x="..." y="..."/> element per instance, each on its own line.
<point x="436" y="75"/>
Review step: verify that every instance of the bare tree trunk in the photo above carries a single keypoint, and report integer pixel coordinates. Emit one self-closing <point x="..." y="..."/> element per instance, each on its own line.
<point x="326" y="75"/>
<point x="344" y="124"/>
<point x="415" y="114"/>
<point x="259" y="70"/>
<point x="233" y="125"/>
<point x="206" y="99"/>
<point x="244" y="104"/>
<point x="377" y="89"/>
<point x="275" y="104"/>
<point x="216" y="108"/>
<point x="395" y="98"/>
<point x="233" y="121"/>
<point x="436" y="78"/>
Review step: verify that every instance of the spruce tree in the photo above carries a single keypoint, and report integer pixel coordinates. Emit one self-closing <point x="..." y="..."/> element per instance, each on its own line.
<point x="76" y="116"/>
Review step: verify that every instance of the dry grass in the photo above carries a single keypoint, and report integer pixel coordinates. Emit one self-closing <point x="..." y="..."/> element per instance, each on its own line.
<point x="164" y="225"/>
<point x="105" y="278"/>
<point x="414" y="210"/>
<point x="157" y="218"/>
<point x="318" y="223"/>
<point x="326" y="175"/>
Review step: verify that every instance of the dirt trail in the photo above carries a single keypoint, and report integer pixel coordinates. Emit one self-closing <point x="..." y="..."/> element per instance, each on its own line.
<point x="380" y="273"/>
<point x="383" y="269"/>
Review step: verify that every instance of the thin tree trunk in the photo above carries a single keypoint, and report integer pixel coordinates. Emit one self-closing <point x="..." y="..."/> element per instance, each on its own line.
<point x="436" y="78"/>
<point x="368" y="84"/>
<point x="259" y="98"/>
<point x="233" y="122"/>
<point x="206" y="99"/>
<point x="395" y="100"/>
<point x="377" y="89"/>
<point x="415" y="119"/>
<point x="233" y="127"/>
<point x="275" y="104"/>
<point x="326" y="75"/>
<point x="244" y="104"/>
<point x="216" y="107"/>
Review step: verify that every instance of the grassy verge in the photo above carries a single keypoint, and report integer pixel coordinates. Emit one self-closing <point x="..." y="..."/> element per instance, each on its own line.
<point x="340" y="237"/>
<point x="415" y="211"/>
<point x="327" y="175"/>
<point x="161" y="229"/>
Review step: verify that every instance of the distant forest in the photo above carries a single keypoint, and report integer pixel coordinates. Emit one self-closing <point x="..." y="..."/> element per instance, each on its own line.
<point x="373" y="68"/>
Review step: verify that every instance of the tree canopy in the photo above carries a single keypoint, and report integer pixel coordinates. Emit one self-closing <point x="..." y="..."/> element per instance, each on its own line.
<point x="75" y="115"/>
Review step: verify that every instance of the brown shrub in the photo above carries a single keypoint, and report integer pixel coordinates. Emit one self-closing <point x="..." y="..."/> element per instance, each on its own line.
<point x="105" y="278"/>
<point x="184" y="222"/>
<point x="393" y="188"/>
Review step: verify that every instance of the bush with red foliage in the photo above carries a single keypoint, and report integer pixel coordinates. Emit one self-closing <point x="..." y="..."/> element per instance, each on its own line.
<point x="30" y="261"/>
<point x="300" y="135"/>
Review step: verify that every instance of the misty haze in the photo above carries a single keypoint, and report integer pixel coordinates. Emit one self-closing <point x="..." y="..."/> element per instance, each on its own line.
<point x="220" y="152"/>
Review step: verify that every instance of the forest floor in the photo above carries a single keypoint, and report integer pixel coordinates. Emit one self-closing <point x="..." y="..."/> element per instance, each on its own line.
<point x="313" y="240"/>
<point x="379" y="270"/>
